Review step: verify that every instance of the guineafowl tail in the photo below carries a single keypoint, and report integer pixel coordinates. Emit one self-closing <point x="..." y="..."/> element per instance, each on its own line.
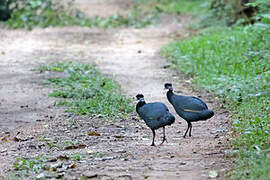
<point x="169" y="118"/>
<point x="206" y="114"/>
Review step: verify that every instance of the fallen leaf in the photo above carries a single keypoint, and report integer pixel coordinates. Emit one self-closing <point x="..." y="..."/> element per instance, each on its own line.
<point x="119" y="136"/>
<point x="73" y="166"/>
<point x="93" y="133"/>
<point x="5" y="139"/>
<point x="146" y="176"/>
<point x="16" y="139"/>
<point x="52" y="169"/>
<point x="63" y="157"/>
<point x="213" y="174"/>
<point x="80" y="146"/>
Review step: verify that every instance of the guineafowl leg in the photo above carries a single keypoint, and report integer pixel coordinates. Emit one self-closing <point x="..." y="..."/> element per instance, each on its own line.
<point x="154" y="134"/>
<point x="164" y="137"/>
<point x="189" y="124"/>
<point x="190" y="129"/>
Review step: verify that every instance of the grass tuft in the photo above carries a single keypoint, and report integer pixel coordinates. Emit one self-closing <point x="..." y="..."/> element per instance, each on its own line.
<point x="85" y="91"/>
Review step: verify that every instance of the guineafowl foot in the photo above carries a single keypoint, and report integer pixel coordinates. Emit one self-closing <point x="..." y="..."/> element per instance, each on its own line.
<point x="164" y="136"/>
<point x="154" y="135"/>
<point x="164" y="139"/>
<point x="189" y="127"/>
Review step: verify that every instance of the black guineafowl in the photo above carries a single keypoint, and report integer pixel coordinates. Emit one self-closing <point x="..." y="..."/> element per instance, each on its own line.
<point x="155" y="115"/>
<point x="189" y="108"/>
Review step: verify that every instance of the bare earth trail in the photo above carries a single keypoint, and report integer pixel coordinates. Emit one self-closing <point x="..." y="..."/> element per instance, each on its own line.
<point x="132" y="56"/>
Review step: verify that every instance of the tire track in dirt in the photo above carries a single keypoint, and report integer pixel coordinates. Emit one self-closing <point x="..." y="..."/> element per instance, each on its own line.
<point x="132" y="56"/>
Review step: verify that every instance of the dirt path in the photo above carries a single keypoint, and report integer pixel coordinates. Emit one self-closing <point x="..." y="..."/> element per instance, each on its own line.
<point x="132" y="56"/>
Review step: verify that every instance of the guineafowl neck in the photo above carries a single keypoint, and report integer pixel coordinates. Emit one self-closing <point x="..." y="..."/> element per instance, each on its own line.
<point x="169" y="95"/>
<point x="139" y="105"/>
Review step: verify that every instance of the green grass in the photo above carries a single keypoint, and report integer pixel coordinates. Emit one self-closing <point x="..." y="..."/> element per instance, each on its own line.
<point x="48" y="166"/>
<point x="185" y="7"/>
<point x="233" y="63"/>
<point x="85" y="91"/>
<point x="27" y="166"/>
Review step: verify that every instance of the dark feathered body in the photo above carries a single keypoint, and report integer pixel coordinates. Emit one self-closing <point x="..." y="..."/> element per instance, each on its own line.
<point x="155" y="115"/>
<point x="189" y="108"/>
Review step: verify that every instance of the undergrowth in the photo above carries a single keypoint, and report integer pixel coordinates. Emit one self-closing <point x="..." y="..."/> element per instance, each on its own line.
<point x="180" y="7"/>
<point x="233" y="63"/>
<point x="85" y="91"/>
<point x="45" y="13"/>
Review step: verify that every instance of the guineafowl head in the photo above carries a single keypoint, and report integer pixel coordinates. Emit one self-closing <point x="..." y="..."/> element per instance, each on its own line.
<point x="168" y="86"/>
<point x="140" y="97"/>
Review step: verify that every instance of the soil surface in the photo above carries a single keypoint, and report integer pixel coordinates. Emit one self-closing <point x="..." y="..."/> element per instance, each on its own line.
<point x="31" y="125"/>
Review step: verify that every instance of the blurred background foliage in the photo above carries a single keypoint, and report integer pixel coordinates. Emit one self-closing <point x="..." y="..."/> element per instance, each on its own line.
<point x="44" y="13"/>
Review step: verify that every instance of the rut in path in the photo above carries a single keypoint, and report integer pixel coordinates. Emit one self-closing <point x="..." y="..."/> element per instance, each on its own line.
<point x="132" y="56"/>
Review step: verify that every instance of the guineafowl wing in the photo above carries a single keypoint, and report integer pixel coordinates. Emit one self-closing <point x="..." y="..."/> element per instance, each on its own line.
<point x="188" y="103"/>
<point x="153" y="111"/>
<point x="152" y="114"/>
<point x="198" y="103"/>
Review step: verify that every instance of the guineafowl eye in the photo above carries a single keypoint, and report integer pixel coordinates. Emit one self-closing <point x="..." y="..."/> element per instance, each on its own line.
<point x="139" y="96"/>
<point x="168" y="86"/>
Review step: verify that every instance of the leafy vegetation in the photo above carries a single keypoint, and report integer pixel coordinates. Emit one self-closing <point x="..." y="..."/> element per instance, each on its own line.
<point x="240" y="11"/>
<point x="185" y="7"/>
<point x="26" y="166"/>
<point x="45" y="167"/>
<point x="85" y="91"/>
<point x="233" y="63"/>
<point x="6" y="9"/>
<point x="45" y="13"/>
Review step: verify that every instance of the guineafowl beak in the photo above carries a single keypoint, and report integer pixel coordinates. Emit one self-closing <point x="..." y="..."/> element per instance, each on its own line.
<point x="169" y="88"/>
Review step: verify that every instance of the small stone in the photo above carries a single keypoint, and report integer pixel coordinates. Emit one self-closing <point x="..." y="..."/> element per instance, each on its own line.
<point x="90" y="174"/>
<point x="53" y="167"/>
<point x="105" y="158"/>
<point x="183" y="163"/>
<point x="119" y="151"/>
<point x="41" y="176"/>
<point x="213" y="174"/>
<point x="4" y="150"/>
